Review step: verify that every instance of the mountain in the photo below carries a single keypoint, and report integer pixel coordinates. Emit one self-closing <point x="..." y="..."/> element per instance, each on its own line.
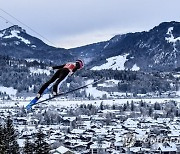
<point x="15" y="42"/>
<point x="154" y="50"/>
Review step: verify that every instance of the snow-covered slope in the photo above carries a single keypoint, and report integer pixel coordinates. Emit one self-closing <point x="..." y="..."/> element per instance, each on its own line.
<point x="8" y="90"/>
<point x="116" y="63"/>
<point x="15" y="33"/>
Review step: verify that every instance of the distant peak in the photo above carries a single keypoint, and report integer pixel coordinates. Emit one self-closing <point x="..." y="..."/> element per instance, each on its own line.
<point x="166" y="25"/>
<point x="16" y="28"/>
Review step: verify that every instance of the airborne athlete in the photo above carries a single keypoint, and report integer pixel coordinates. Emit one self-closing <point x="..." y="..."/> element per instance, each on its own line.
<point x="63" y="71"/>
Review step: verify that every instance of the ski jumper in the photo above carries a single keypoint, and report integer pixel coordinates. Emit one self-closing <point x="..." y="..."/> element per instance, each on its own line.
<point x="60" y="75"/>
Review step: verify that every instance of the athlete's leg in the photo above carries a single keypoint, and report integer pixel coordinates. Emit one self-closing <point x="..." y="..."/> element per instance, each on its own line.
<point x="62" y="76"/>
<point x="44" y="86"/>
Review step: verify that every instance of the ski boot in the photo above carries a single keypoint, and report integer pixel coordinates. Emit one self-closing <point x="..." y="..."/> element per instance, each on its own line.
<point x="34" y="101"/>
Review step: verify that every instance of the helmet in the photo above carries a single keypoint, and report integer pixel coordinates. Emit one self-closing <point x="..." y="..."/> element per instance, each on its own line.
<point x="81" y="63"/>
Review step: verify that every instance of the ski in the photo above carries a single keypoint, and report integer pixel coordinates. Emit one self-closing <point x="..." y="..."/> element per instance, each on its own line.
<point x="65" y="93"/>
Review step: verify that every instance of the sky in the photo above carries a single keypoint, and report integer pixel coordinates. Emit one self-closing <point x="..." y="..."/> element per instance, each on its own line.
<point x="74" y="23"/>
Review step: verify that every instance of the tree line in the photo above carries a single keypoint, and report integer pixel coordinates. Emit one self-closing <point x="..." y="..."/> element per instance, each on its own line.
<point x="15" y="73"/>
<point x="135" y="81"/>
<point x="9" y="143"/>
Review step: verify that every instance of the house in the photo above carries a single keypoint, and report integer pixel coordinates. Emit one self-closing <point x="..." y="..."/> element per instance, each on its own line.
<point x="129" y="123"/>
<point x="68" y="121"/>
<point x="165" y="148"/>
<point x="118" y="145"/>
<point x="32" y="121"/>
<point x="163" y="120"/>
<point x="139" y="150"/>
<point x="84" y="125"/>
<point x="77" y="131"/>
<point x="98" y="118"/>
<point x="81" y="146"/>
<point x="62" y="150"/>
<point x="102" y="147"/>
<point x="85" y="117"/>
<point x="20" y="121"/>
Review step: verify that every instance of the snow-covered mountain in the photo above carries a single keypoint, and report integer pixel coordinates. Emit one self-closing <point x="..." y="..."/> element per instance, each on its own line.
<point x="156" y="49"/>
<point x="15" y="42"/>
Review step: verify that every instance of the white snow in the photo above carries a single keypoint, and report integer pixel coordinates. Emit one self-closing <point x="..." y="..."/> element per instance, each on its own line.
<point x="15" y="33"/>
<point x="106" y="46"/>
<point x="32" y="60"/>
<point x="39" y="71"/>
<point x="93" y="90"/>
<point x="31" y="87"/>
<point x="178" y="93"/>
<point x="62" y="149"/>
<point x="169" y="147"/>
<point x="135" y="68"/>
<point x="8" y="90"/>
<point x="73" y="103"/>
<point x="176" y="75"/>
<point x="171" y="38"/>
<point x="33" y="46"/>
<point x="1" y="35"/>
<point x="21" y="142"/>
<point x="114" y="63"/>
<point x="109" y="83"/>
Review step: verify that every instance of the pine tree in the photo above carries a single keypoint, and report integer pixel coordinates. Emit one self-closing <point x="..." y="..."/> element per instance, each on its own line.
<point x="2" y="141"/>
<point x="11" y="144"/>
<point x="28" y="147"/>
<point x="150" y="111"/>
<point x="101" y="106"/>
<point x="132" y="106"/>
<point x="41" y="146"/>
<point x="157" y="106"/>
<point x="124" y="107"/>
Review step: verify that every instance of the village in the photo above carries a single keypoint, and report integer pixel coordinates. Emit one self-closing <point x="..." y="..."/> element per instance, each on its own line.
<point x="134" y="127"/>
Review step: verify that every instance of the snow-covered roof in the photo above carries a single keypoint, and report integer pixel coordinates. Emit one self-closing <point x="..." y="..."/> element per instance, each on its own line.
<point x="165" y="147"/>
<point x="135" y="149"/>
<point x="103" y="145"/>
<point x="77" y="131"/>
<point x="62" y="149"/>
<point x="69" y="118"/>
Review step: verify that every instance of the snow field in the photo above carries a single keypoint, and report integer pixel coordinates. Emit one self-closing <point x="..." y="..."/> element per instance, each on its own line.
<point x="68" y="103"/>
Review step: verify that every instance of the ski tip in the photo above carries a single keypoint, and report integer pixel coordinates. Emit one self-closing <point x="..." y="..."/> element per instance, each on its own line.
<point x="33" y="102"/>
<point x="28" y="107"/>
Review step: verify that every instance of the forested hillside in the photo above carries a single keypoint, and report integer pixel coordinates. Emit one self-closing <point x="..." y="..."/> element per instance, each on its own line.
<point x="136" y="82"/>
<point x="16" y="73"/>
<point x="24" y="77"/>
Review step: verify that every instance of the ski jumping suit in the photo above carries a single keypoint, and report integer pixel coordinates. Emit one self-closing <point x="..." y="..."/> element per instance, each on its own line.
<point x="60" y="75"/>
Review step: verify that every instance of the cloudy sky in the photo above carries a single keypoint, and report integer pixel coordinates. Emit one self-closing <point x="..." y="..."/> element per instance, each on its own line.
<point x="73" y="23"/>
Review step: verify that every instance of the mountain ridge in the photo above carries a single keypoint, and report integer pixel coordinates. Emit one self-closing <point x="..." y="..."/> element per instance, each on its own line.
<point x="153" y="50"/>
<point x="15" y="42"/>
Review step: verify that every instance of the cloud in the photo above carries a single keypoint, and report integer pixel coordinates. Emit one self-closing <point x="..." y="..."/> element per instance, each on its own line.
<point x="82" y="39"/>
<point x="78" y="21"/>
